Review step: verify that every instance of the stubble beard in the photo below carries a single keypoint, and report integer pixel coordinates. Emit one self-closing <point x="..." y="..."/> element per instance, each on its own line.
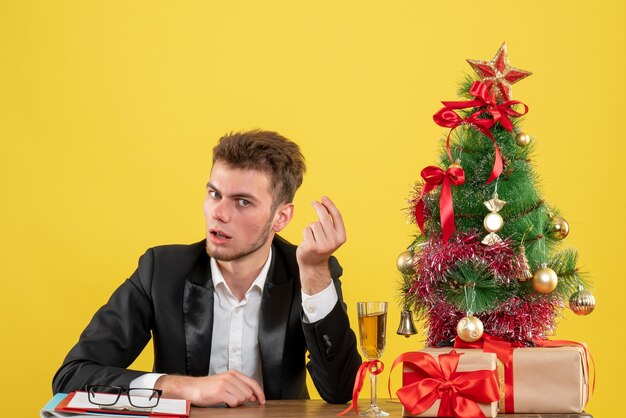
<point x="258" y="243"/>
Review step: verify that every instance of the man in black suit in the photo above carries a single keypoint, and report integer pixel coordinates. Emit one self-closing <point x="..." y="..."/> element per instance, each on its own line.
<point x="231" y="317"/>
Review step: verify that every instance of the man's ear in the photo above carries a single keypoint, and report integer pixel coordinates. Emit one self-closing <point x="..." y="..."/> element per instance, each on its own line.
<point x="283" y="216"/>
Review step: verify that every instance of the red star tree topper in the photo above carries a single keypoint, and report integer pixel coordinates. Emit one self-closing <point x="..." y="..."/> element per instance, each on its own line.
<point x="497" y="74"/>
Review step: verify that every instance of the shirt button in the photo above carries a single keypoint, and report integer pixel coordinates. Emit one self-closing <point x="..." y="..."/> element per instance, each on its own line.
<point x="310" y="309"/>
<point x="237" y="309"/>
<point x="234" y="349"/>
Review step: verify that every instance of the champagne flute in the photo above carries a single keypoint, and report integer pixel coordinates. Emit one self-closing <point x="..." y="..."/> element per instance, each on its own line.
<point x="372" y="327"/>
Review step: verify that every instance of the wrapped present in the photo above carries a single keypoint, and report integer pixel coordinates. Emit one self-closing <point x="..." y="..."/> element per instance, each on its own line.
<point x="550" y="378"/>
<point x="437" y="382"/>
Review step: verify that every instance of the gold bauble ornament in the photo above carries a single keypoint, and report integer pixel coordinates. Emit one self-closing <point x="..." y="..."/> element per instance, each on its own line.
<point x="522" y="139"/>
<point x="560" y="227"/>
<point x="582" y="302"/>
<point x="456" y="164"/>
<point x="493" y="222"/>
<point x="405" y="262"/>
<point x="470" y="329"/>
<point x="545" y="279"/>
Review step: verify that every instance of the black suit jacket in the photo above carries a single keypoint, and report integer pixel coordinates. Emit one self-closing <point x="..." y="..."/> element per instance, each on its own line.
<point x="170" y="298"/>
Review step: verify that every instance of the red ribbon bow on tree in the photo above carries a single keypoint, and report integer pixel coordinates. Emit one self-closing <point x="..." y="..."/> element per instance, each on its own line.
<point x="433" y="177"/>
<point x="488" y="106"/>
<point x="459" y="392"/>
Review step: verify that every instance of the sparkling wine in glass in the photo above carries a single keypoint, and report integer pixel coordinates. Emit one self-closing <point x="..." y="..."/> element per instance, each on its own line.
<point x="372" y="327"/>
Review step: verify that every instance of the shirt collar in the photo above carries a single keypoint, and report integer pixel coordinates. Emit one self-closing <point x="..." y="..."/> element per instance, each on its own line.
<point x="259" y="282"/>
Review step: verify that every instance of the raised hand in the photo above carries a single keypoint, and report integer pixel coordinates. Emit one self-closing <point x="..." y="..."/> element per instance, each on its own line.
<point x="320" y="240"/>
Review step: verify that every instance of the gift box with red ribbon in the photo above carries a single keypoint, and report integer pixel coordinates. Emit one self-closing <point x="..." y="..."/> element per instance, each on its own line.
<point x="552" y="377"/>
<point x="548" y="380"/>
<point x="438" y="382"/>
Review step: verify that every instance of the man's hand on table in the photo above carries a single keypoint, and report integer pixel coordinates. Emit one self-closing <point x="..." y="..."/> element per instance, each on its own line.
<point x="232" y="388"/>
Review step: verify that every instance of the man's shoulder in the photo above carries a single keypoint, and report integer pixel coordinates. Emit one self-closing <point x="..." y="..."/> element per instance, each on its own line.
<point x="179" y="249"/>
<point x="172" y="261"/>
<point x="173" y="255"/>
<point x="284" y="246"/>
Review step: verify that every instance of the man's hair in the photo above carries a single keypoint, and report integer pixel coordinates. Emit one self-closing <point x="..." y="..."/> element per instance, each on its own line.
<point x="268" y="152"/>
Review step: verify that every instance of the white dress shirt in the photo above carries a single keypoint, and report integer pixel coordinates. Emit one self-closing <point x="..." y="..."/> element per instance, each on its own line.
<point x="235" y="343"/>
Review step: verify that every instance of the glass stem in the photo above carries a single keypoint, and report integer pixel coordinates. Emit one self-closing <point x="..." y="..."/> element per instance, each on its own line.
<point x="373" y="392"/>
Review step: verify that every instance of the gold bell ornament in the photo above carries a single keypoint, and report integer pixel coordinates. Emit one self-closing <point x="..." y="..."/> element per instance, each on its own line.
<point x="545" y="279"/>
<point x="407" y="326"/>
<point x="493" y="222"/>
<point x="582" y="302"/>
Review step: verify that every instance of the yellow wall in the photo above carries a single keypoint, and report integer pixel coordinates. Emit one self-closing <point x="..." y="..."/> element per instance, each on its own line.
<point x="109" y="111"/>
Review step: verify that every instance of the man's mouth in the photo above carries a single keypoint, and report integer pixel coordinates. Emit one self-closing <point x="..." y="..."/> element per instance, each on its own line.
<point x="219" y="234"/>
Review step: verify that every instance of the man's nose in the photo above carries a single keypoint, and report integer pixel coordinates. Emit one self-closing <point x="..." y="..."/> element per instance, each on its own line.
<point x="221" y="211"/>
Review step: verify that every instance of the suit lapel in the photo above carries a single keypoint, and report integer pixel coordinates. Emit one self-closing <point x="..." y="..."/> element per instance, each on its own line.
<point x="273" y="323"/>
<point x="198" y="317"/>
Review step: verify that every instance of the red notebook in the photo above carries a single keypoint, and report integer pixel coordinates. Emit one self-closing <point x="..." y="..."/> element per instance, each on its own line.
<point x="77" y="402"/>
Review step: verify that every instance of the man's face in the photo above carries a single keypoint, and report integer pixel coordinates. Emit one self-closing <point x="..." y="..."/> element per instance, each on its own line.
<point x="238" y="213"/>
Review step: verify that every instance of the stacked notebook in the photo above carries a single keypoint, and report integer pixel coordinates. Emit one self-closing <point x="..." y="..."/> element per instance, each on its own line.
<point x="76" y="404"/>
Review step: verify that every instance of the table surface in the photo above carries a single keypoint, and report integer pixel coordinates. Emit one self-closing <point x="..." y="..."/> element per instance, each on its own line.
<point x="321" y="409"/>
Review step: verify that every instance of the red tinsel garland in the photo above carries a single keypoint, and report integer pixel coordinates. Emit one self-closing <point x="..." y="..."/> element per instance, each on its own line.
<point x="515" y="319"/>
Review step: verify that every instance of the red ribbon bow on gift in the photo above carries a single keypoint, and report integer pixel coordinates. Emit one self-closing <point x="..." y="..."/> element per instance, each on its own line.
<point x="374" y="367"/>
<point x="504" y="351"/>
<point x="488" y="106"/>
<point x="459" y="392"/>
<point x="433" y="177"/>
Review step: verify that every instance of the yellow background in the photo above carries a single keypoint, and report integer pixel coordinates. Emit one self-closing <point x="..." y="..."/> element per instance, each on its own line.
<point x="109" y="111"/>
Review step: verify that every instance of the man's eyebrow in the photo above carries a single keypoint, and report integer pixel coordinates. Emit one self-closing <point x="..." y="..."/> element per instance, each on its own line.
<point x="241" y="195"/>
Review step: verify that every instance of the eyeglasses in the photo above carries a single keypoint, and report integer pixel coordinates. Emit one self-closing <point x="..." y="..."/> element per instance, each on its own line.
<point x="108" y="396"/>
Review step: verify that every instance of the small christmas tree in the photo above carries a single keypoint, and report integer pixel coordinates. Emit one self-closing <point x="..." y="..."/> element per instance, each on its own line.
<point x="487" y="256"/>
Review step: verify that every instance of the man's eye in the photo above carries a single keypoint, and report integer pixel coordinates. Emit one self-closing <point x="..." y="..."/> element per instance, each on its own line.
<point x="244" y="202"/>
<point x="214" y="194"/>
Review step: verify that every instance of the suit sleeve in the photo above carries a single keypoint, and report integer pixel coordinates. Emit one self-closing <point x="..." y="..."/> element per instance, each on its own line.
<point x="334" y="359"/>
<point x="114" y="338"/>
